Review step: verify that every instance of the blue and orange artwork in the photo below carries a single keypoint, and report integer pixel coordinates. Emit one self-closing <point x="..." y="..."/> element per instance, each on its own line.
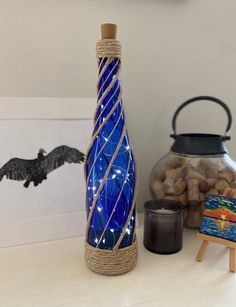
<point x="219" y="217"/>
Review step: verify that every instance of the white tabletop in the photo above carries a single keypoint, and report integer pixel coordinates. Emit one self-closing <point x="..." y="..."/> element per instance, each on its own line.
<point x="54" y="274"/>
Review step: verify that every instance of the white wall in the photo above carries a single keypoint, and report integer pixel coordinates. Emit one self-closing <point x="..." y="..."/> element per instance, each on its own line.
<point x="173" y="50"/>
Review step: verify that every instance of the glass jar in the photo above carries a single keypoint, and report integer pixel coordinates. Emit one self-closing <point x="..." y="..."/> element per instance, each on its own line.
<point x="197" y="165"/>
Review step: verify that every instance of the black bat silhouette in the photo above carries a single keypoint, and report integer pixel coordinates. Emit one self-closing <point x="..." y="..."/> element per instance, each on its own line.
<point x="36" y="170"/>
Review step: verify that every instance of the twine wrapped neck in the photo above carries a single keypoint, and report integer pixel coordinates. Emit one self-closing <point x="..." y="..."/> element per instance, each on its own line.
<point x="108" y="48"/>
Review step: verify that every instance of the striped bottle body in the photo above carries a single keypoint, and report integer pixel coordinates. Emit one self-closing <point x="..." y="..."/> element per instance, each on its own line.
<point x="110" y="167"/>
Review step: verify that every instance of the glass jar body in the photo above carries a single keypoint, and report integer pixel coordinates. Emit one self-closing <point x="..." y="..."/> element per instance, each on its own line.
<point x="190" y="178"/>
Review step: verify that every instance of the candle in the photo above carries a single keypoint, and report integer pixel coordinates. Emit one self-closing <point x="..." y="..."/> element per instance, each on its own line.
<point x="164" y="211"/>
<point x="163" y="226"/>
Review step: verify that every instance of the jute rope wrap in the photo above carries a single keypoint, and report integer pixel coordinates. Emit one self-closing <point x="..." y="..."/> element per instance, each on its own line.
<point x="108" y="48"/>
<point x="117" y="260"/>
<point x="111" y="263"/>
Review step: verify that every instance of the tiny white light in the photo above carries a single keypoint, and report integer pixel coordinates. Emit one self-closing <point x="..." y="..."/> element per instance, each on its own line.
<point x="112" y="230"/>
<point x="118" y="171"/>
<point x="113" y="176"/>
<point x="127" y="147"/>
<point x="99" y="209"/>
<point x="103" y="241"/>
<point x="128" y="231"/>
<point x="96" y="240"/>
<point x="106" y="139"/>
<point x="93" y="188"/>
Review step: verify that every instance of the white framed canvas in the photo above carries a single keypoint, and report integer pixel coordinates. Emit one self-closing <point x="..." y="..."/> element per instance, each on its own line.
<point x="42" y="186"/>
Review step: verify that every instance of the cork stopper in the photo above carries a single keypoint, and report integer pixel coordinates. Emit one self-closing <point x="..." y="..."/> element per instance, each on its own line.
<point x="108" y="30"/>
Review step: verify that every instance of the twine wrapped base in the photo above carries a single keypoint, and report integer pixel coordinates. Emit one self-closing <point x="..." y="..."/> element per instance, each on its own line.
<point x="111" y="262"/>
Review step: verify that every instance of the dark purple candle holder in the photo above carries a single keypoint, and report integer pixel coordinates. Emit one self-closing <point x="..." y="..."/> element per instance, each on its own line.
<point x="163" y="226"/>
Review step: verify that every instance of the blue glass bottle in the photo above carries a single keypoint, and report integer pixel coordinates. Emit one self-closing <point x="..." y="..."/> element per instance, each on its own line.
<point x="110" y="167"/>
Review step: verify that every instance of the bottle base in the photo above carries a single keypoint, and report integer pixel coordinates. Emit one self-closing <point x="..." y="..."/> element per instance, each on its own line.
<point x="111" y="262"/>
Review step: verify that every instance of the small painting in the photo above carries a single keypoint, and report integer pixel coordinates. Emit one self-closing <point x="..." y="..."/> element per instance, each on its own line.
<point x="219" y="217"/>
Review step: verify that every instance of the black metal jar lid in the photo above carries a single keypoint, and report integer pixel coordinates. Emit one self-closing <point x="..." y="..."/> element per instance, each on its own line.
<point x="200" y="143"/>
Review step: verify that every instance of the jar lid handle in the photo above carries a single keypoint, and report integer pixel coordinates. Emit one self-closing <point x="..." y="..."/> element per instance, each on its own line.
<point x="216" y="100"/>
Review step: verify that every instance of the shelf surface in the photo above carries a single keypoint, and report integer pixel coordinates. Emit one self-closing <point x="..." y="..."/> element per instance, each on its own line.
<point x="54" y="274"/>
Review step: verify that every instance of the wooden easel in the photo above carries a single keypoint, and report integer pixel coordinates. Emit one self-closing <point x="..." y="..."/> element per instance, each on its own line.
<point x="231" y="245"/>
